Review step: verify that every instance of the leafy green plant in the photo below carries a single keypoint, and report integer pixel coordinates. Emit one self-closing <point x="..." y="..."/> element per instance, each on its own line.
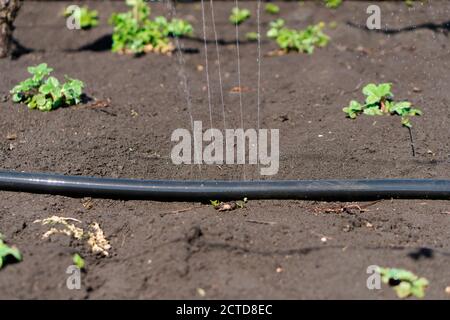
<point x="333" y="4"/>
<point x="252" y="36"/>
<point x="46" y="93"/>
<point x="298" y="40"/>
<point x="272" y="8"/>
<point x="404" y="282"/>
<point x="135" y="33"/>
<point x="7" y="251"/>
<point x="88" y="18"/>
<point x="239" y="16"/>
<point x="379" y="101"/>
<point x="78" y="261"/>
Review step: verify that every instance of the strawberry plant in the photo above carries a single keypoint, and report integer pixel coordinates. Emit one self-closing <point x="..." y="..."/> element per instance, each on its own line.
<point x="272" y="8"/>
<point x="135" y="33"/>
<point x="8" y="252"/>
<point x="239" y="16"/>
<point x="297" y="40"/>
<point x="46" y="93"/>
<point x="88" y="18"/>
<point x="379" y="101"/>
<point x="404" y="282"/>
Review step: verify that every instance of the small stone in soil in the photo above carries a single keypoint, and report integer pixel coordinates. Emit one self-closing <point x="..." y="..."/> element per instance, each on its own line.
<point x="11" y="136"/>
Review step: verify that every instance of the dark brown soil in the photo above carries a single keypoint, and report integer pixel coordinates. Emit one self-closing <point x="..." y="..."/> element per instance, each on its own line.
<point x="270" y="249"/>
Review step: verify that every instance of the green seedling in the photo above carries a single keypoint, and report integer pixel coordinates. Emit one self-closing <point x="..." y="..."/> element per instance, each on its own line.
<point x="333" y="4"/>
<point x="353" y="109"/>
<point x="298" y="40"/>
<point x="134" y="32"/>
<point x="78" y="261"/>
<point x="239" y="16"/>
<point x="88" y="18"/>
<point x="272" y="8"/>
<point x="252" y="36"/>
<point x="46" y="93"/>
<point x="404" y="282"/>
<point x="379" y="101"/>
<point x="8" y="252"/>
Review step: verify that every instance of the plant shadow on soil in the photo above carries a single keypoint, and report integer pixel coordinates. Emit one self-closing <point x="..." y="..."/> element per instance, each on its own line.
<point x="19" y="50"/>
<point x="104" y="43"/>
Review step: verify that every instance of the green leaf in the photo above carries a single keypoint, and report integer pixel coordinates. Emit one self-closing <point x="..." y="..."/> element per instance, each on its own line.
<point x="375" y="94"/>
<point x="333" y="4"/>
<point x="406" y="122"/>
<point x="401" y="108"/>
<point x="6" y="251"/>
<point x="238" y="15"/>
<point x="51" y="87"/>
<point x="415" y="112"/>
<point x="384" y="90"/>
<point x="78" y="261"/>
<point x="353" y="109"/>
<point x="215" y="203"/>
<point x="372" y="99"/>
<point x="409" y="283"/>
<point x="272" y="8"/>
<point x="373" y="111"/>
<point x="403" y="290"/>
<point x="40" y="71"/>
<point x="179" y="28"/>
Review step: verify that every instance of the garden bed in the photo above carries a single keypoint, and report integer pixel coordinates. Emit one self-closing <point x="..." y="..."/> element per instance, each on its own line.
<point x="269" y="249"/>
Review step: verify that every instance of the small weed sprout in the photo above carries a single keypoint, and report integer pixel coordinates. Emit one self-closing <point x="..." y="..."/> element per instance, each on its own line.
<point x="298" y="40"/>
<point x="239" y="16"/>
<point x="46" y="93"/>
<point x="88" y="18"/>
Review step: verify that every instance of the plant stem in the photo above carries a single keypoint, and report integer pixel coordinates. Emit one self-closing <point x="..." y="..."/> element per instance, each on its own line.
<point x="383" y="106"/>
<point x="412" y="142"/>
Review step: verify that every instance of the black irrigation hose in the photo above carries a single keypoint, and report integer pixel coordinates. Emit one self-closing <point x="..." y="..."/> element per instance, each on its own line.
<point x="340" y="190"/>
